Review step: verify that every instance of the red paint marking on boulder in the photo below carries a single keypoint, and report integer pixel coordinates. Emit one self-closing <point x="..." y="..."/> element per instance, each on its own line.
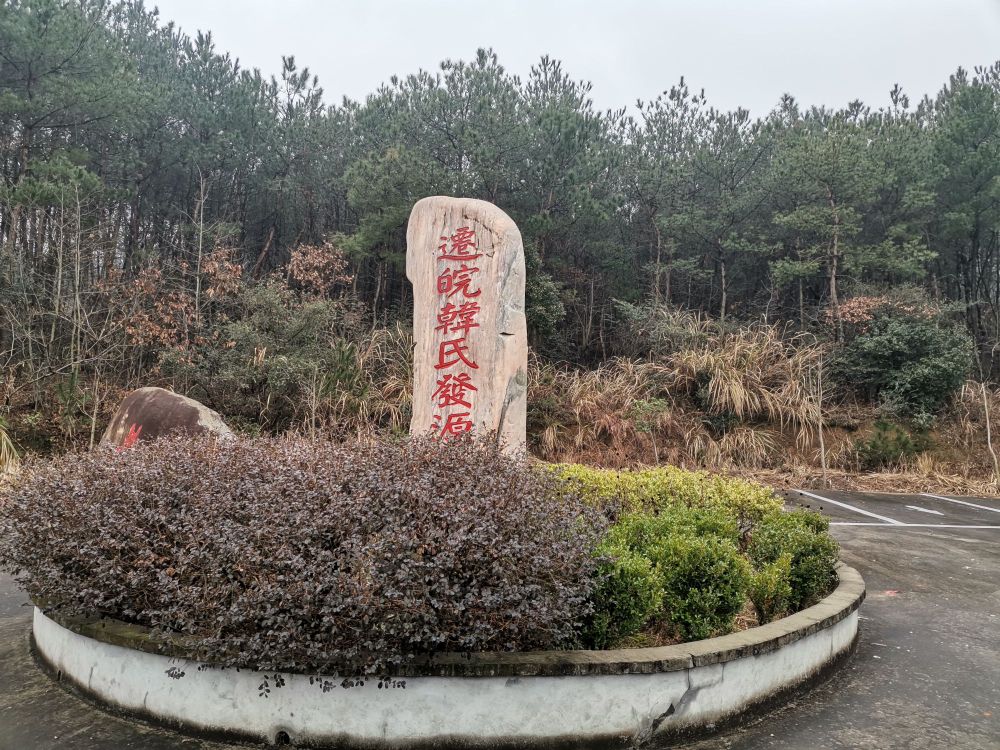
<point x="148" y="413"/>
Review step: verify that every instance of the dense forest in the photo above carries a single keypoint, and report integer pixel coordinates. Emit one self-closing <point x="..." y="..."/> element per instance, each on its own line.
<point x="169" y="216"/>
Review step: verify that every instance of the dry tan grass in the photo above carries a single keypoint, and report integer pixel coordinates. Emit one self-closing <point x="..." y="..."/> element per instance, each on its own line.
<point x="614" y="411"/>
<point x="390" y="355"/>
<point x="732" y="400"/>
<point x="973" y="429"/>
<point x="745" y="402"/>
<point x="749" y="446"/>
<point x="382" y="399"/>
<point x="659" y="330"/>
<point x="755" y="374"/>
<point x="9" y="459"/>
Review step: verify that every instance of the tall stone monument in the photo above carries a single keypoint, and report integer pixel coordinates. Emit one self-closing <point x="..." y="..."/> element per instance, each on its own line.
<point x="465" y="260"/>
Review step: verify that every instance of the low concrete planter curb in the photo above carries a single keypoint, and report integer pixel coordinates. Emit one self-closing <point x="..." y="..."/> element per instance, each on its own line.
<point x="620" y="697"/>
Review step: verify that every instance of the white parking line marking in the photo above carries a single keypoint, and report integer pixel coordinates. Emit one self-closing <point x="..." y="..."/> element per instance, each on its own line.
<point x="960" y="502"/>
<point x="925" y="510"/>
<point x="893" y="521"/>
<point x="912" y="525"/>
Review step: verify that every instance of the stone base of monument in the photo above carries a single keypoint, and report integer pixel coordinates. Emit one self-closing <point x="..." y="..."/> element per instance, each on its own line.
<point x="620" y="697"/>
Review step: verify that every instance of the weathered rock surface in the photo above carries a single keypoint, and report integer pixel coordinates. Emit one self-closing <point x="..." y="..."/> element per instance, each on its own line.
<point x="147" y="413"/>
<point x="465" y="260"/>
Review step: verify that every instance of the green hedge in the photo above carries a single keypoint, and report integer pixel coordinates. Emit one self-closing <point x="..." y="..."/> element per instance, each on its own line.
<point x="629" y="594"/>
<point x="668" y="487"/>
<point x="690" y="550"/>
<point x="704" y="583"/>
<point x="802" y="537"/>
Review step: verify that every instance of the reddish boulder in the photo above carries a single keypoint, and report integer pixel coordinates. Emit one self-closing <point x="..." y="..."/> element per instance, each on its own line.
<point x="147" y="413"/>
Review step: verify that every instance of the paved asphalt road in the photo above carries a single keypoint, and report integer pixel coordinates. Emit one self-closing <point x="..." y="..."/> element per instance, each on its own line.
<point x="926" y="674"/>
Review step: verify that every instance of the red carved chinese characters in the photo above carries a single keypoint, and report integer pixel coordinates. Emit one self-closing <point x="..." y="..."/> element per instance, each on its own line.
<point x="451" y="390"/>
<point x="454" y="424"/>
<point x="455" y="281"/>
<point x="452" y="352"/>
<point x="463" y="246"/>
<point x="456" y="319"/>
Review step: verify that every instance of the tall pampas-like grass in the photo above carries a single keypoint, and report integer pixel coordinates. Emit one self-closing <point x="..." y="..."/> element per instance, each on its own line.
<point x="726" y="398"/>
<point x="754" y="374"/>
<point x="9" y="459"/>
<point x="380" y="396"/>
<point x="611" y="414"/>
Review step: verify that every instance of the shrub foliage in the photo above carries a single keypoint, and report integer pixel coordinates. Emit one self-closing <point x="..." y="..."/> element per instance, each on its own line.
<point x="704" y="583"/>
<point x="771" y="588"/>
<point x="299" y="553"/>
<point x="629" y="594"/>
<point x="690" y="550"/>
<point x="912" y="364"/>
<point x="292" y="553"/>
<point x="801" y="537"/>
<point x="888" y="445"/>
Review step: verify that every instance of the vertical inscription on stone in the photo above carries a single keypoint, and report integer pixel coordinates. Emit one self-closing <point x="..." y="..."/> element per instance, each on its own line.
<point x="465" y="260"/>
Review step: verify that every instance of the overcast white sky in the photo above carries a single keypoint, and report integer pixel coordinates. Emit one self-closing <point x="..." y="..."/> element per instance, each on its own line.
<point x="742" y="52"/>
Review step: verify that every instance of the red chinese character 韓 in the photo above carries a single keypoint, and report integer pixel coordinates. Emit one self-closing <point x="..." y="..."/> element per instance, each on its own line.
<point x="458" y="318"/>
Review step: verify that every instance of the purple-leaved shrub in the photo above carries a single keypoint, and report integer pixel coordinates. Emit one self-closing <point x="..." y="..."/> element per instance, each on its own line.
<point x="296" y="553"/>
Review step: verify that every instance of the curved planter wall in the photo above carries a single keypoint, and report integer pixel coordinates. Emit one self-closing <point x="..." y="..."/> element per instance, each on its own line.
<point x="618" y="697"/>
